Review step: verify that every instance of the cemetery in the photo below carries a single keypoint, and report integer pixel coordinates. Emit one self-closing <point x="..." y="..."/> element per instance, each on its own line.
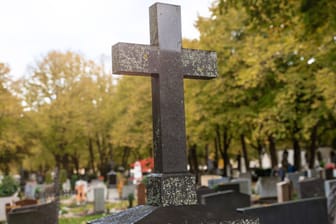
<point x="211" y="130"/>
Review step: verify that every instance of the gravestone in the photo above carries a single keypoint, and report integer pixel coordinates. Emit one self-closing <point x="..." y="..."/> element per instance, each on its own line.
<point x="202" y="191"/>
<point x="112" y="179"/>
<point x="304" y="211"/>
<point x="99" y="200"/>
<point x="311" y="173"/>
<point x="226" y="200"/>
<point x="167" y="64"/>
<point x="36" y="214"/>
<point x="246" y="175"/>
<point x="227" y="186"/>
<point x="218" y="181"/>
<point x="311" y="187"/>
<point x="171" y="190"/>
<point x="141" y="194"/>
<point x="81" y="191"/>
<point x="330" y="192"/>
<point x="30" y="190"/>
<point x="284" y="191"/>
<point x="294" y="178"/>
<point x="127" y="190"/>
<point x="244" y="185"/>
<point x="91" y="188"/>
<point x="205" y="179"/>
<point x="266" y="187"/>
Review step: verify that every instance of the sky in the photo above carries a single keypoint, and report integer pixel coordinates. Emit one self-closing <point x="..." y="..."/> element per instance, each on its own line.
<point x="29" y="29"/>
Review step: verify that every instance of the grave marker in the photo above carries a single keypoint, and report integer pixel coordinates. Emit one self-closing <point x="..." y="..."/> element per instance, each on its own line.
<point x="171" y="191"/>
<point x="311" y="187"/>
<point x="167" y="64"/>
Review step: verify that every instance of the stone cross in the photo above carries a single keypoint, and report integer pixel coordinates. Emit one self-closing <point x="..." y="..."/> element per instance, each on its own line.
<point x="168" y="64"/>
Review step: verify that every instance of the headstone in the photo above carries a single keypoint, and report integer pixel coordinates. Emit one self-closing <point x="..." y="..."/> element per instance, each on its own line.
<point x="284" y="191"/>
<point x="215" y="182"/>
<point x="226" y="200"/>
<point x="266" y="187"/>
<point x="112" y="179"/>
<point x="329" y="174"/>
<point x="205" y="179"/>
<point x="244" y="185"/>
<point x="137" y="172"/>
<point x="312" y="187"/>
<point x="167" y="64"/>
<point x="330" y="192"/>
<point x="307" y="211"/>
<point x="171" y="190"/>
<point x="99" y="200"/>
<point x="91" y="188"/>
<point x="36" y="214"/>
<point x="202" y="191"/>
<point x="227" y="186"/>
<point x="294" y="178"/>
<point x="81" y="191"/>
<point x="246" y="175"/>
<point x="127" y="190"/>
<point x="66" y="186"/>
<point x="311" y="173"/>
<point x="141" y="194"/>
<point x="30" y="190"/>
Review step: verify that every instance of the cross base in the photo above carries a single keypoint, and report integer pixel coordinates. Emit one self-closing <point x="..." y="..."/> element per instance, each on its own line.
<point x="171" y="189"/>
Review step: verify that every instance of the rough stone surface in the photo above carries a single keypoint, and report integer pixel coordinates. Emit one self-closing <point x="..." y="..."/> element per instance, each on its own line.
<point x="197" y="214"/>
<point x="171" y="189"/>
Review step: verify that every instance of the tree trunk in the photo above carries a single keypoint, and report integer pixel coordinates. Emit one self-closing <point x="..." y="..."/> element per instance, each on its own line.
<point x="91" y="153"/>
<point x="126" y="153"/>
<point x="273" y="153"/>
<point x="57" y="185"/>
<point x="215" y="163"/>
<point x="226" y="145"/>
<point x="259" y="149"/>
<point x="312" y="147"/>
<point x="194" y="162"/>
<point x="206" y="157"/>
<point x="297" y="153"/>
<point x="245" y="155"/>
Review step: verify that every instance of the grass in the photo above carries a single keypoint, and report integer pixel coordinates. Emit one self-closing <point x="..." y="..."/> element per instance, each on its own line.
<point x="79" y="220"/>
<point x="80" y="212"/>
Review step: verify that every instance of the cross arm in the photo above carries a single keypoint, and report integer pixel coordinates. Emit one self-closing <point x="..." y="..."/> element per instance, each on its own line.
<point x="199" y="64"/>
<point x="134" y="59"/>
<point x="137" y="59"/>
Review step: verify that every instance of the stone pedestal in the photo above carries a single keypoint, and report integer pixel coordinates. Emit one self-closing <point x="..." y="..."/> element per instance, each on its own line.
<point x="171" y="189"/>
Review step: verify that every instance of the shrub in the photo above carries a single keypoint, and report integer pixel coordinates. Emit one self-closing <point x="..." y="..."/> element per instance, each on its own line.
<point x="8" y="186"/>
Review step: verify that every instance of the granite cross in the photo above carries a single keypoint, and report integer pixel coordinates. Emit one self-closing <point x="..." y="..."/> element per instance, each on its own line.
<point x="167" y="63"/>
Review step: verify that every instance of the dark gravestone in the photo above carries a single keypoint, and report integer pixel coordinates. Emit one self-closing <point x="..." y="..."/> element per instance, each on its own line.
<point x="33" y="214"/>
<point x="305" y="211"/>
<point x="311" y="187"/>
<point x="202" y="191"/>
<point x="214" y="182"/>
<point x="171" y="188"/>
<point x="167" y="64"/>
<point x="193" y="214"/>
<point x="112" y="179"/>
<point x="228" y="187"/>
<point x="226" y="200"/>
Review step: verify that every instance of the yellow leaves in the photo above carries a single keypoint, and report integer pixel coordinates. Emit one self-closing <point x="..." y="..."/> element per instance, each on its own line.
<point x="326" y="83"/>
